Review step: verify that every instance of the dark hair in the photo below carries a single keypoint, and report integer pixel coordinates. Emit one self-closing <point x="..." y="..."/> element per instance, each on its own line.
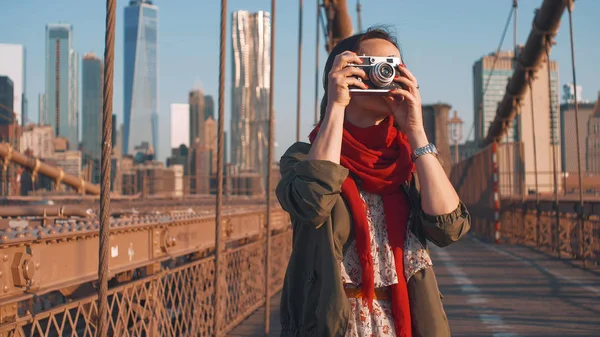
<point x="352" y="43"/>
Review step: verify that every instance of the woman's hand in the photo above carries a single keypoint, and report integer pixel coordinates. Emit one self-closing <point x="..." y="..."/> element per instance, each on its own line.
<point x="405" y="104"/>
<point x="340" y="78"/>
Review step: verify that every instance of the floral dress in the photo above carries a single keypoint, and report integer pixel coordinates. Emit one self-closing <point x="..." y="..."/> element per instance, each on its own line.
<point x="378" y="322"/>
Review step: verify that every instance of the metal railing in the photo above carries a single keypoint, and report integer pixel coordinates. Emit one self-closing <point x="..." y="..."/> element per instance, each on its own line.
<point x="165" y="289"/>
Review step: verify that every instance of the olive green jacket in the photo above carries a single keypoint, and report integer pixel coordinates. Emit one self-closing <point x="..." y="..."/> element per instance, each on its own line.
<point x="313" y="301"/>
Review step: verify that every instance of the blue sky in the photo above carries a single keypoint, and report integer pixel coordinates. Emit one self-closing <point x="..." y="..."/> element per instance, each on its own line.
<point x="440" y="40"/>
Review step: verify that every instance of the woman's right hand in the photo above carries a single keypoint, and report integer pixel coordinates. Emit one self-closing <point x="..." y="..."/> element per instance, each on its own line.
<point x="341" y="77"/>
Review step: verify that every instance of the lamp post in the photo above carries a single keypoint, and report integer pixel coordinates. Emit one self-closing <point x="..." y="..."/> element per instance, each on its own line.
<point x="455" y="131"/>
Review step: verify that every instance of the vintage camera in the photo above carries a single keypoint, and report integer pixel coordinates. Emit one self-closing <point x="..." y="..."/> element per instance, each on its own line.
<point x="381" y="72"/>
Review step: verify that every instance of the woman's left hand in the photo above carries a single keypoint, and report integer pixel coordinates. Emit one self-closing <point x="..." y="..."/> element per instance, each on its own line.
<point x="405" y="104"/>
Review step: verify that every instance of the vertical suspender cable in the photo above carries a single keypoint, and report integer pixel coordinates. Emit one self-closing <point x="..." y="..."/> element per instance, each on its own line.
<point x="358" y="18"/>
<point x="580" y="211"/>
<point x="317" y="46"/>
<point x="220" y="158"/>
<point x="535" y="168"/>
<point x="555" y="242"/>
<point x="269" y="170"/>
<point x="109" y="52"/>
<point x="298" y="104"/>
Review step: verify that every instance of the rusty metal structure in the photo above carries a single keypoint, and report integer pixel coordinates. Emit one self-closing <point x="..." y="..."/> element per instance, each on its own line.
<point x="161" y="269"/>
<point x="36" y="166"/>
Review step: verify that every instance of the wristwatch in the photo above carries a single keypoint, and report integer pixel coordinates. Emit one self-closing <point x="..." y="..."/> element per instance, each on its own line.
<point x="429" y="148"/>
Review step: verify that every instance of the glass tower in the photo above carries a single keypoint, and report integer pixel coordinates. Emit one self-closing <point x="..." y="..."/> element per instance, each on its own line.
<point x="62" y="88"/>
<point x="140" y="76"/>
<point x="91" y="107"/>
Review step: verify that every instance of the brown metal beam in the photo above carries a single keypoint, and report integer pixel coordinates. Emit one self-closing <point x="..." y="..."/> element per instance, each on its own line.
<point x="37" y="166"/>
<point x="545" y="24"/>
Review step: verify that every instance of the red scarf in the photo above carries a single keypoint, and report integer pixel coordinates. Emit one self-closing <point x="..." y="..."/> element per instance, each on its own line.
<point x="380" y="158"/>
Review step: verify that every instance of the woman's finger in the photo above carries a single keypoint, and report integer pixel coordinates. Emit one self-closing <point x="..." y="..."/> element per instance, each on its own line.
<point x="408" y="74"/>
<point x="354" y="71"/>
<point x="353" y="81"/>
<point x="404" y="93"/>
<point x="343" y="59"/>
<point x="410" y="85"/>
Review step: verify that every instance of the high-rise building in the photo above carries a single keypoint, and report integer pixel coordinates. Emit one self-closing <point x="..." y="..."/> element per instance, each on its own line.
<point x="180" y="121"/>
<point x="210" y="140"/>
<point x="209" y="107"/>
<point x="6" y="100"/>
<point x="251" y="40"/>
<point x="42" y="108"/>
<point x="569" y="93"/>
<point x="568" y="136"/>
<point x="37" y="140"/>
<point x="490" y="76"/>
<point x="140" y="75"/>
<point x="196" y="117"/>
<point x="62" y="83"/>
<point x="12" y="64"/>
<point x="91" y="106"/>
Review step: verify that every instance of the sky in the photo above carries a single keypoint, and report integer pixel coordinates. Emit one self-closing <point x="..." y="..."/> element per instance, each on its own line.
<point x="440" y="41"/>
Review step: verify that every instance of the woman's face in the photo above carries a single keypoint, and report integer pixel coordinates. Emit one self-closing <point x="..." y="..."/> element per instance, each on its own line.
<point x="374" y="104"/>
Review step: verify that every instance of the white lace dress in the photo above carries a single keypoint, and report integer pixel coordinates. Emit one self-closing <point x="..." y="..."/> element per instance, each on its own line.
<point x="378" y="322"/>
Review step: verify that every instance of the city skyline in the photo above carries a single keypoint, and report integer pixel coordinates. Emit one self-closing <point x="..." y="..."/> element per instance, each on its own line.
<point x="437" y="57"/>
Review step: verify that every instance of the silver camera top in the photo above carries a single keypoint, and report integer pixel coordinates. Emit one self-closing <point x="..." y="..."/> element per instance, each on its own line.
<point x="373" y="60"/>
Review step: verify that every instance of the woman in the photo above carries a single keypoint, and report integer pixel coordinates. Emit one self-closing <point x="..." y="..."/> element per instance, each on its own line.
<point x="359" y="264"/>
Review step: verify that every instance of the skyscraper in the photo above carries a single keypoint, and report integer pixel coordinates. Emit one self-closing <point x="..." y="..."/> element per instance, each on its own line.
<point x="493" y="75"/>
<point x="62" y="87"/>
<point x="12" y="64"/>
<point x="251" y="39"/>
<point x="180" y="120"/>
<point x="6" y="100"/>
<point x="209" y="107"/>
<point x="140" y="75"/>
<point x="196" y="117"/>
<point x="91" y="107"/>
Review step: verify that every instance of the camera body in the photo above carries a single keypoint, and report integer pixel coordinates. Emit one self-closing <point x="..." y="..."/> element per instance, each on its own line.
<point x="381" y="71"/>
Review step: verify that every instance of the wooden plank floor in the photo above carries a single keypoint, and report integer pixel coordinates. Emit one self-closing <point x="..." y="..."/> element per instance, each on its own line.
<point x="255" y="324"/>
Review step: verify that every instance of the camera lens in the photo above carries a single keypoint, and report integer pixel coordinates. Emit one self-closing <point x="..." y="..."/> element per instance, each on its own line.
<point x="382" y="74"/>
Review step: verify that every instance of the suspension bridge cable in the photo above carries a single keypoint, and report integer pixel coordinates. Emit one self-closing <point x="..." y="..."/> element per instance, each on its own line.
<point x="576" y="105"/>
<point x="535" y="168"/>
<point x="358" y="17"/>
<point x="299" y="93"/>
<point x="317" y="63"/>
<point x="103" y="274"/>
<point x="269" y="172"/>
<point x="220" y="158"/>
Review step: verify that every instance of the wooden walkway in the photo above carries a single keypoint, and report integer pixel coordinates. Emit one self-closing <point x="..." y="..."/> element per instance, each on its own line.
<point x="255" y="324"/>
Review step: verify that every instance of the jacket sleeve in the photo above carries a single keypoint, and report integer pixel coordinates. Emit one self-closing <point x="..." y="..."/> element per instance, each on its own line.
<point x="443" y="230"/>
<point x="308" y="189"/>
